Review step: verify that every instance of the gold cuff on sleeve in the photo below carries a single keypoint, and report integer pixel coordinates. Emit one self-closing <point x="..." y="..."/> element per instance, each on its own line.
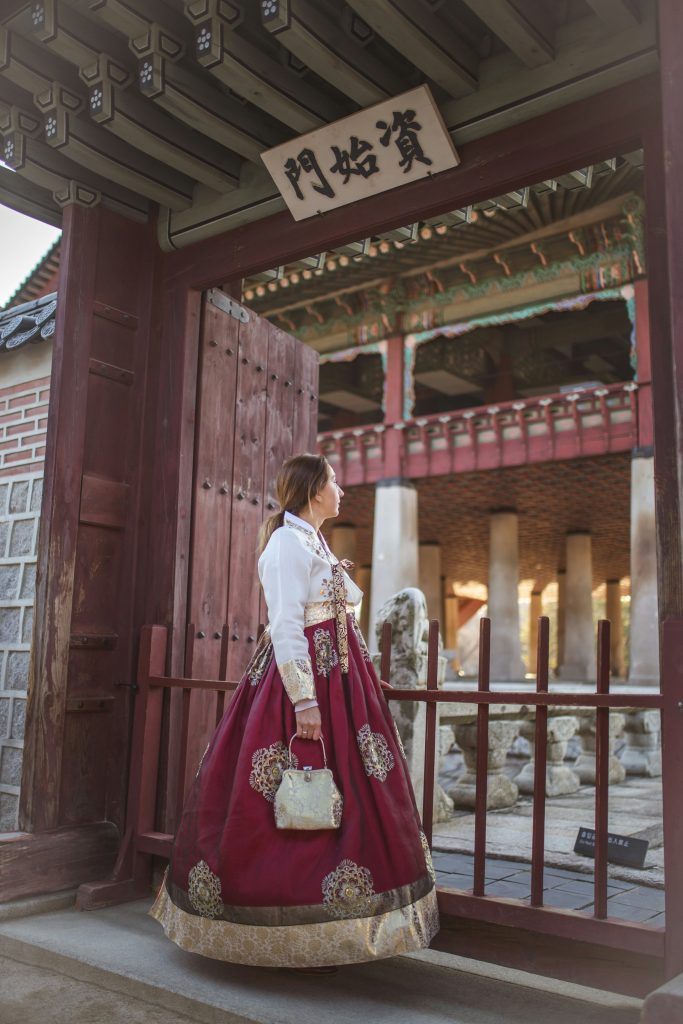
<point x="297" y="679"/>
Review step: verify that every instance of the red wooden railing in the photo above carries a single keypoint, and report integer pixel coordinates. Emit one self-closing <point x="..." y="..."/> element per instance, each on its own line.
<point x="141" y="842"/>
<point x="593" y="421"/>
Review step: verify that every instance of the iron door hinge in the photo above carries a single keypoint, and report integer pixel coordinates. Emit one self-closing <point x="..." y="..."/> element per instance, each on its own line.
<point x="218" y="298"/>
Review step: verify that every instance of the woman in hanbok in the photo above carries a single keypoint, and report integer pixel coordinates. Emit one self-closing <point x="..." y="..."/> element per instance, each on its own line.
<point x="242" y="890"/>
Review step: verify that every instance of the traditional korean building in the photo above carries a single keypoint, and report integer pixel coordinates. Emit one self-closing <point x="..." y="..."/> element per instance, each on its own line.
<point x="483" y="338"/>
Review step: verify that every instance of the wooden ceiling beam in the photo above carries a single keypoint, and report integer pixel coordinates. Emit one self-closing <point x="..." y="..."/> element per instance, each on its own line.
<point x="155" y="133"/>
<point x="21" y="195"/>
<point x="252" y="74"/>
<point x="425" y="40"/>
<point x="525" y="26"/>
<point x="104" y="154"/>
<point x="133" y="17"/>
<point x="65" y="33"/>
<point x="302" y="28"/>
<point x="617" y="14"/>
<point x="25" y="154"/>
<point x="127" y="116"/>
<point x="200" y="105"/>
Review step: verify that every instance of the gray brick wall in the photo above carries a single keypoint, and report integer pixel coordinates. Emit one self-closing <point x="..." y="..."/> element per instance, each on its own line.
<point x="19" y="513"/>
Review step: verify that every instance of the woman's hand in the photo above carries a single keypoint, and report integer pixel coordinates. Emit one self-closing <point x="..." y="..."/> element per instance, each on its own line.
<point x="385" y="686"/>
<point x="308" y="724"/>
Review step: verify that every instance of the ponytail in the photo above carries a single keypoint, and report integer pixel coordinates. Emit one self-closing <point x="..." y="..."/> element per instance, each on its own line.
<point x="268" y="528"/>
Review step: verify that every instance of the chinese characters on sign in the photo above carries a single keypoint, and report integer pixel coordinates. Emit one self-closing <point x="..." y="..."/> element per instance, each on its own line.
<point x="377" y="149"/>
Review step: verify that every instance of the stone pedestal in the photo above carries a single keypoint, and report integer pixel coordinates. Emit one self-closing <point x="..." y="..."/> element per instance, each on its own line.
<point x="364" y="581"/>
<point x="584" y="766"/>
<point x="429" y="571"/>
<point x="559" y="778"/>
<point x="394" y="545"/>
<point x="613" y="613"/>
<point x="407" y="613"/>
<point x="535" y="612"/>
<point x="579" y="633"/>
<point x="644" y="628"/>
<point x="503" y="600"/>
<point x="501" y="791"/>
<point x="642" y="754"/>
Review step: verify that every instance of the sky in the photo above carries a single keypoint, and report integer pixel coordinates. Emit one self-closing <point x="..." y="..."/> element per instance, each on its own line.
<point x="24" y="243"/>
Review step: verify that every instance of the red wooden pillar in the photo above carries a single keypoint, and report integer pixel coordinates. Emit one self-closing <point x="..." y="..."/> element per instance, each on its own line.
<point x="643" y="363"/>
<point x="395" y="392"/>
<point x="663" y="142"/>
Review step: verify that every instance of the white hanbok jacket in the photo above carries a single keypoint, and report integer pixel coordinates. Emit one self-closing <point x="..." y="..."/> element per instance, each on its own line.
<point x="294" y="570"/>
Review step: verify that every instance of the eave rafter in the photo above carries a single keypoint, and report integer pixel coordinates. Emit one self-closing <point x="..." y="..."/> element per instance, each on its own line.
<point x="525" y="26"/>
<point x="251" y="73"/>
<point x="425" y="40"/>
<point x="23" y="196"/>
<point x="84" y="143"/>
<point x="618" y="14"/>
<point x="158" y="42"/>
<point x="303" y="29"/>
<point x="24" y="152"/>
<point x="68" y="35"/>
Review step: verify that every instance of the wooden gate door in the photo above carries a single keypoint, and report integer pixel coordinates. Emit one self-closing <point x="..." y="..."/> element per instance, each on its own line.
<point x="256" y="404"/>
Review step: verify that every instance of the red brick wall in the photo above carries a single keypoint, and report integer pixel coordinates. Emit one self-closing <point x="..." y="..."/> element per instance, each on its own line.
<point x="23" y="425"/>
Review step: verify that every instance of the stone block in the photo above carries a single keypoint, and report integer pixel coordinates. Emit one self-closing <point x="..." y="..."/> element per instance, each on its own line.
<point x="9" y="625"/>
<point x="559" y="779"/>
<point x="10" y="766"/>
<point x="18" y="719"/>
<point x="19" y="496"/>
<point x="4" y="535"/>
<point x="584" y="766"/>
<point x="27" y="627"/>
<point x="36" y="495"/>
<point x="28" y="580"/>
<point x="665" y="1004"/>
<point x="21" y="541"/>
<point x="16" y="676"/>
<point x="5" y="703"/>
<point x="9" y="581"/>
<point x="642" y="754"/>
<point x="9" y="807"/>
<point x="501" y="791"/>
<point x="4" y="494"/>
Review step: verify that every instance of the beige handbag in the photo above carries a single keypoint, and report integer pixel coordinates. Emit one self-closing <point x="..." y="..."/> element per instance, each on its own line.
<point x="308" y="798"/>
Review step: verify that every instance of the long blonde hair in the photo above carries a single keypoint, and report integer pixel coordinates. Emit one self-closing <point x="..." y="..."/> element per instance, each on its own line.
<point x="301" y="477"/>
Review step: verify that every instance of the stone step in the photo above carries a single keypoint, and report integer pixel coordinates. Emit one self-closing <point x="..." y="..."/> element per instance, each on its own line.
<point x="121" y="949"/>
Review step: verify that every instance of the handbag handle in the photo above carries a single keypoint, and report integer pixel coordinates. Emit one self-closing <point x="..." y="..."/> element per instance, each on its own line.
<point x="321" y="743"/>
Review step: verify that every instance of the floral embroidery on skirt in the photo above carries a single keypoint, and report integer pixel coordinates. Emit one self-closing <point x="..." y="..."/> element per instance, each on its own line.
<point x="204" y="890"/>
<point x="268" y="764"/>
<point x="348" y="891"/>
<point x="374" y="749"/>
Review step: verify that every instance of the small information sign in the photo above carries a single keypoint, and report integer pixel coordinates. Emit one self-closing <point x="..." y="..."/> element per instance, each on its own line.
<point x="390" y="144"/>
<point x="626" y="850"/>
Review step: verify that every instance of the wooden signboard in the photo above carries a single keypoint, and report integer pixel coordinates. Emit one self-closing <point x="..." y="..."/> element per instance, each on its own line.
<point x="390" y="144"/>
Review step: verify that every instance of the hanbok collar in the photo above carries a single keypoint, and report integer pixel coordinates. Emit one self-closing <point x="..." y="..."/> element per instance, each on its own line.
<point x="300" y="523"/>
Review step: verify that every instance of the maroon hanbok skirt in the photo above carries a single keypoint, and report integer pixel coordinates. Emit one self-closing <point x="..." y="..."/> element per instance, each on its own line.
<point x="239" y="889"/>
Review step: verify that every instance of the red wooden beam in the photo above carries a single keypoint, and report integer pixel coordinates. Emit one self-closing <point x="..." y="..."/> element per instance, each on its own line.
<point x="543" y="147"/>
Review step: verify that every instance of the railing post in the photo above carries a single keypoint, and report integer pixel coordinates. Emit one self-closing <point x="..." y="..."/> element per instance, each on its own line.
<point x="481" y="797"/>
<point x="672" y="784"/>
<point x="430" y="731"/>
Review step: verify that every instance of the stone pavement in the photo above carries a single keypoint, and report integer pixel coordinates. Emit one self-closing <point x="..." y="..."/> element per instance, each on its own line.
<point x="562" y="888"/>
<point x="66" y="966"/>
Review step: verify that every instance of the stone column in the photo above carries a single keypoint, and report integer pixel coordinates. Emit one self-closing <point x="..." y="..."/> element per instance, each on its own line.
<point x="451" y="621"/>
<point x="559" y="778"/>
<point x="429" y="568"/>
<point x="343" y="541"/>
<point x="561" y="617"/>
<point x="394" y="544"/>
<point x="642" y="754"/>
<point x="503" y="598"/>
<point x="584" y="766"/>
<point x="613" y="613"/>
<point x="644" y="629"/>
<point x="579" y="633"/>
<point x="535" y="612"/>
<point x="364" y="581"/>
<point x="501" y="791"/>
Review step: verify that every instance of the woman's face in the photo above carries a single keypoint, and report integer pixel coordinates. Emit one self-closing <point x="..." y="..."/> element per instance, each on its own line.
<point x="326" y="501"/>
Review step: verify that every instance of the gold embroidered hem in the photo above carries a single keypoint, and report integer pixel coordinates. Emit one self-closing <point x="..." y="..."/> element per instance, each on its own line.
<point x="308" y="945"/>
<point x="297" y="679"/>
